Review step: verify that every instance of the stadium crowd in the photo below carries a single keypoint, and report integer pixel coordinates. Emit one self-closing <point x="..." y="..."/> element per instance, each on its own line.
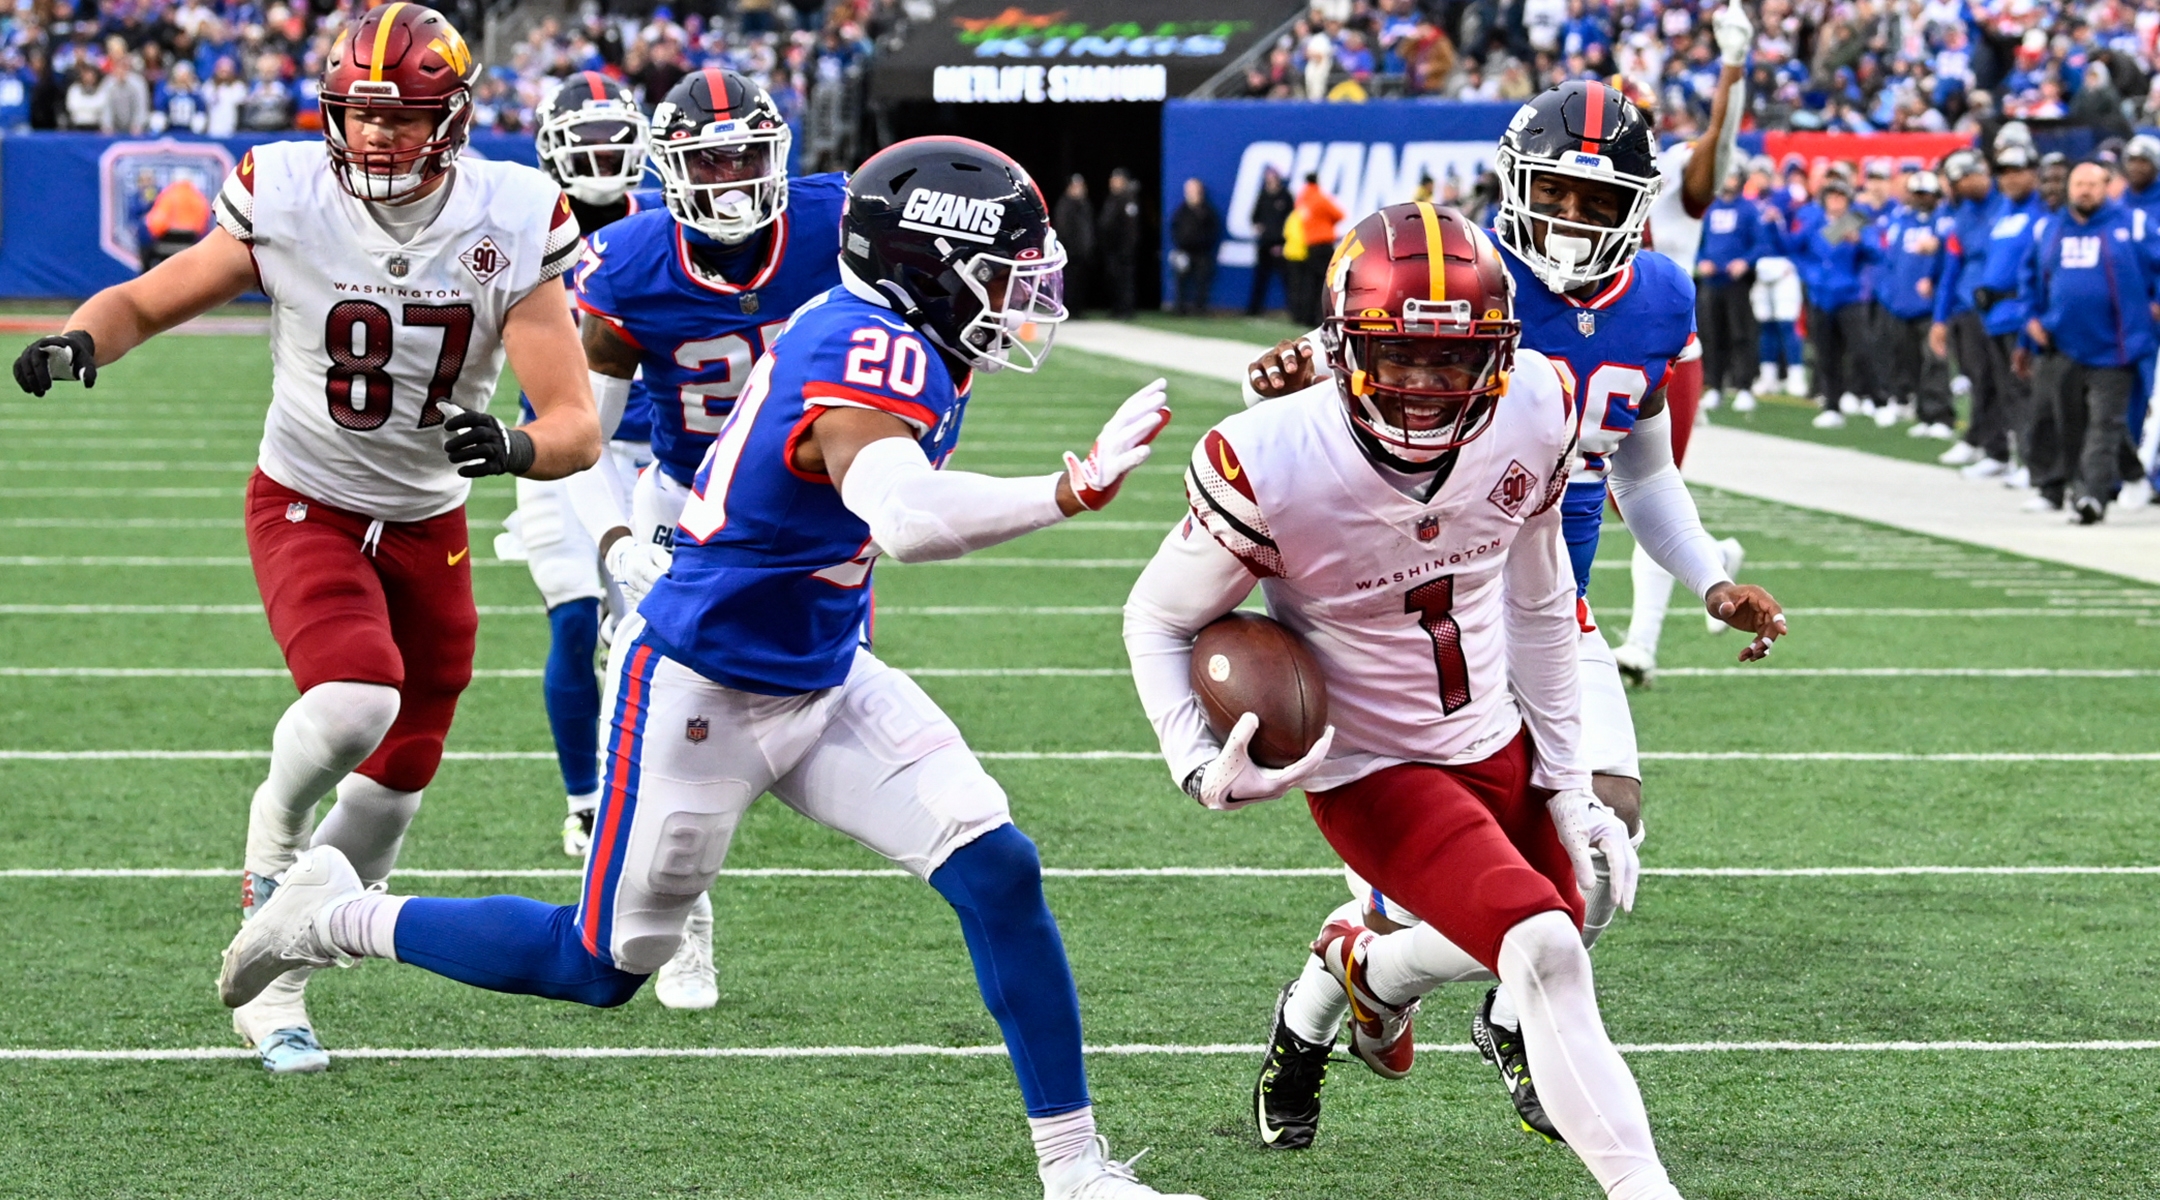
<point x="224" y="66"/>
<point x="1859" y="65"/>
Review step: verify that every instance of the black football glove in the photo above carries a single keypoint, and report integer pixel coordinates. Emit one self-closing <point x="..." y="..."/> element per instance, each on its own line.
<point x="71" y="355"/>
<point x="482" y="445"/>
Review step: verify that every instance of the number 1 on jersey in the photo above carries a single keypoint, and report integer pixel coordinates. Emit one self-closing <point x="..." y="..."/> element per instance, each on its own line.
<point x="1434" y="604"/>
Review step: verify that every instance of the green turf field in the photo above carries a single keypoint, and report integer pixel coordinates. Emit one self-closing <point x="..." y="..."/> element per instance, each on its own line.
<point x="2005" y="721"/>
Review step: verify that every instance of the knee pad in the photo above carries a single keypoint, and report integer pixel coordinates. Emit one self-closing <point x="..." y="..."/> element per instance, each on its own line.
<point x="368" y="823"/>
<point x="1545" y="950"/>
<point x="345" y="720"/>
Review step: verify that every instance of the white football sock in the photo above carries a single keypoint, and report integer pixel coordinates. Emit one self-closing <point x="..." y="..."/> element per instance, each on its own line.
<point x="282" y="1005"/>
<point x="585" y="802"/>
<point x="368" y="823"/>
<point x="327" y="732"/>
<point x="366" y="925"/>
<point x="1503" y="1010"/>
<point x="1582" y="1081"/>
<point x="1406" y="964"/>
<point x="1062" y="1137"/>
<point x="1653" y="595"/>
<point x="1317" y="1005"/>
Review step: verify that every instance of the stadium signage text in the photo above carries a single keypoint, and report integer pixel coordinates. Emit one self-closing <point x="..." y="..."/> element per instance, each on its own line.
<point x="1055" y="85"/>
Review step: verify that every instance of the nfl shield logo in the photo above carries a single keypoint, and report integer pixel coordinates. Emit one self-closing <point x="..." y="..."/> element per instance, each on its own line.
<point x="1428" y="528"/>
<point x="296" y="512"/>
<point x="749" y="303"/>
<point x="696" y="728"/>
<point x="398" y="266"/>
<point x="1586" y="323"/>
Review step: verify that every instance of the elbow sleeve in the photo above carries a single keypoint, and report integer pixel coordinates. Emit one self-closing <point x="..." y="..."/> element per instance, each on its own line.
<point x="917" y="513"/>
<point x="1658" y="509"/>
<point x="610" y="396"/>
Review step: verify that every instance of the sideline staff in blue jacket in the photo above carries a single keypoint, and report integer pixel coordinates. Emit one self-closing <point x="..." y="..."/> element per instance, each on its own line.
<point x="2094" y="292"/>
<point x="1915" y="242"/>
<point x="1830" y="259"/>
<point x="1732" y="240"/>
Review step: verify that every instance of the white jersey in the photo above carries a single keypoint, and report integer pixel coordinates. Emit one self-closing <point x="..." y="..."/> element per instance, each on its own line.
<point x="1674" y="232"/>
<point x="369" y="336"/>
<point x="1400" y="600"/>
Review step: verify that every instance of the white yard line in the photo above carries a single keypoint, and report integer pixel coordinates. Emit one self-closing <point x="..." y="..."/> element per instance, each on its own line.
<point x="1080" y="872"/>
<point x="199" y="610"/>
<point x="91" y="493"/>
<point x="1825" y="756"/>
<point x="1907" y="672"/>
<point x="127" y="467"/>
<point x="1136" y="1050"/>
<point x="1124" y="672"/>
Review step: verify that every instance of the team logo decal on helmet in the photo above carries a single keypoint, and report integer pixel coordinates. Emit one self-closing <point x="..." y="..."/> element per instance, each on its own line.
<point x="398" y="58"/>
<point x="720" y="148"/>
<point x="1420" y="329"/>
<point x="956" y="236"/>
<point x="592" y="138"/>
<point x="1584" y="130"/>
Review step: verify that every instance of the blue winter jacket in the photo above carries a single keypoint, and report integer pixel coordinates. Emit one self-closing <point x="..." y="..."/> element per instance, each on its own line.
<point x="1731" y="231"/>
<point x="2093" y="283"/>
<point x="1914" y="247"/>
<point x="1968" y="255"/>
<point x="2009" y="241"/>
<point x="1831" y="272"/>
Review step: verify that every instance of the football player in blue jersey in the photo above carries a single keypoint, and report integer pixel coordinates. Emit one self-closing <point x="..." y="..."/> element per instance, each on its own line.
<point x="745" y="670"/>
<point x="1578" y="174"/>
<point x="592" y="141"/>
<point x="679" y="306"/>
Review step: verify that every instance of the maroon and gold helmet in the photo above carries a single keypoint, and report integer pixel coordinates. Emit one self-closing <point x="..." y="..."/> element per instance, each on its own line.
<point x="1418" y="290"/>
<point x="402" y="57"/>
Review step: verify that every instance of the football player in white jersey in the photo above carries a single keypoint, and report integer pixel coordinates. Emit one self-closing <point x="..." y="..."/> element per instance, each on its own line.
<point x="400" y="277"/>
<point x="1405" y="524"/>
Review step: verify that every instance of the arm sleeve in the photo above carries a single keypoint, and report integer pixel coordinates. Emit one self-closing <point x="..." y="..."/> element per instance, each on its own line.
<point x="597" y="499"/>
<point x="610" y="395"/>
<point x="1659" y="512"/>
<point x="1542" y="633"/>
<point x="560" y="248"/>
<point x="1190" y="582"/>
<point x="918" y="513"/>
<point x="235" y="204"/>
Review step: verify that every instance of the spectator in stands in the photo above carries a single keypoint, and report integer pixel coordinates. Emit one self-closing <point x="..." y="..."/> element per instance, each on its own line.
<point x="1316" y="216"/>
<point x="222" y="98"/>
<point x="1195" y="228"/>
<point x="269" y="103"/>
<point x="177" y="106"/>
<point x="86" y="98"/>
<point x="16" y="84"/>
<point x="1074" y="220"/>
<point x="127" y="96"/>
<point x="1830" y="258"/>
<point x="2095" y="281"/>
<point x="1732" y="240"/>
<point x="1270" y="211"/>
<point x="1915" y="238"/>
<point x="1118" y="238"/>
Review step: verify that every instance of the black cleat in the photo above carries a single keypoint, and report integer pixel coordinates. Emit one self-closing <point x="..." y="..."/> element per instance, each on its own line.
<point x="1286" y="1099"/>
<point x="1503" y="1048"/>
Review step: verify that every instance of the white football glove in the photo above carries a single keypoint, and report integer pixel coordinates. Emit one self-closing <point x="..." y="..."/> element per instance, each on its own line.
<point x="1734" y="32"/>
<point x="1234" y="780"/>
<point x="1584" y="824"/>
<point x="1121" y="446"/>
<point x="636" y="566"/>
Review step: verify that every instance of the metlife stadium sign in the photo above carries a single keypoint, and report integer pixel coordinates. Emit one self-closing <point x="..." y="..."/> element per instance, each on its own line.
<point x="1366" y="155"/>
<point x="1084" y="51"/>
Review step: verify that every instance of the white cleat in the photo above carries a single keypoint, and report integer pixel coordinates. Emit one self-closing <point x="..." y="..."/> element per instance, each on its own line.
<point x="1960" y="454"/>
<point x="276" y="1024"/>
<point x="1829" y="418"/>
<point x="1886" y="416"/>
<point x="1848" y="403"/>
<point x="1731" y="553"/>
<point x="2017" y="477"/>
<point x="1744" y="402"/>
<point x="1712" y="397"/>
<point x="1766" y="382"/>
<point x="1796" y="381"/>
<point x="688" y="980"/>
<point x="577" y="833"/>
<point x="1986" y="468"/>
<point x="1094" y="1175"/>
<point x="2038" y="503"/>
<point x="1637" y="665"/>
<point x="287" y="931"/>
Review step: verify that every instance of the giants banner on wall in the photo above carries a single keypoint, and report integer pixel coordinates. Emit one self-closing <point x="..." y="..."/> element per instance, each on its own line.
<point x="1367" y="156"/>
<point x="72" y="204"/>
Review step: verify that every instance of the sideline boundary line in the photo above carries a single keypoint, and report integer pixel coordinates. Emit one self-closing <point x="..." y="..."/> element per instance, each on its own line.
<point x="1132" y="1050"/>
<point x="1125" y="672"/>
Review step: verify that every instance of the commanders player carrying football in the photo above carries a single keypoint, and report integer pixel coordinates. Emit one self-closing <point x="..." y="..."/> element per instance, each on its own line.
<point x="399" y="277"/>
<point x="1578" y="175"/>
<point x="1405" y="523"/>
<point x="746" y="671"/>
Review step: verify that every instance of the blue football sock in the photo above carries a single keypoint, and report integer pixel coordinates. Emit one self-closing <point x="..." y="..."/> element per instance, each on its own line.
<point x="995" y="884"/>
<point x="572" y="691"/>
<point x="510" y="944"/>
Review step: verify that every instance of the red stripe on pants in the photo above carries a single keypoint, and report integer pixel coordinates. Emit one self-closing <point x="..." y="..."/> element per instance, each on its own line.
<point x="1470" y="849"/>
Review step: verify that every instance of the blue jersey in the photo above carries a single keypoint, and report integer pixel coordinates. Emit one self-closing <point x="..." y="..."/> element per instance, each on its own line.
<point x="770" y="586"/>
<point x="701" y="334"/>
<point x="1613" y="350"/>
<point x="636" y="424"/>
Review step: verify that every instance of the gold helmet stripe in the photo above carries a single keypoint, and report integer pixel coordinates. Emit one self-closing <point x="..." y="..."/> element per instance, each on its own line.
<point x="382" y="40"/>
<point x="1435" y="253"/>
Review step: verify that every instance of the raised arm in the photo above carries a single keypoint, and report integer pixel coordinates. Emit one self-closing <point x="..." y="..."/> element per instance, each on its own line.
<point x="213" y="271"/>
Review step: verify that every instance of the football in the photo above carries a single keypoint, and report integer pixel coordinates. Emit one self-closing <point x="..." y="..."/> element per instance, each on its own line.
<point x="1247" y="663"/>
